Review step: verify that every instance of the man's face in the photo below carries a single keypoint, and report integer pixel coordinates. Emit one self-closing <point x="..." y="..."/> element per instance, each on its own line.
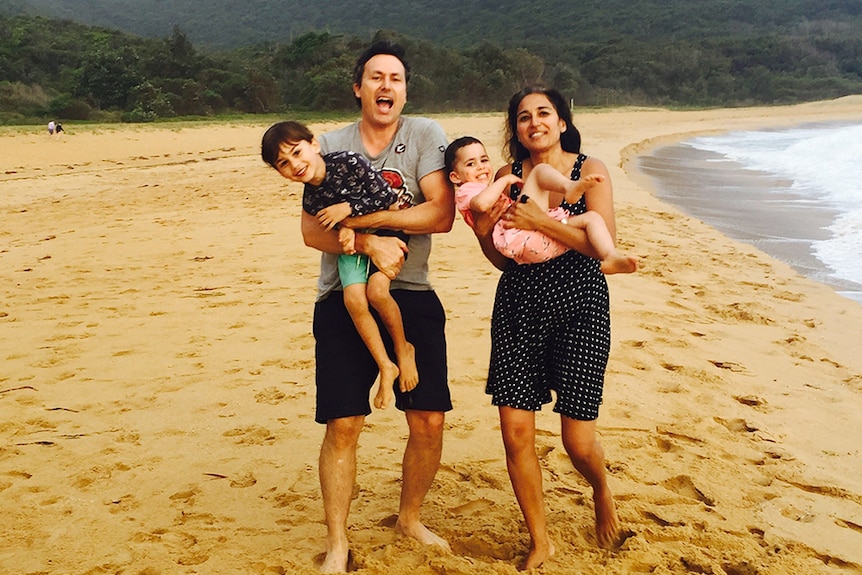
<point x="383" y="90"/>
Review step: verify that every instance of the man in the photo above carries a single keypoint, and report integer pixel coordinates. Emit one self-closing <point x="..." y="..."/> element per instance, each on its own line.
<point x="409" y="152"/>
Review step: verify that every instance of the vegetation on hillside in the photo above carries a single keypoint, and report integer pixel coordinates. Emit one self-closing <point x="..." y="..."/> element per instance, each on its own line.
<point x="59" y="69"/>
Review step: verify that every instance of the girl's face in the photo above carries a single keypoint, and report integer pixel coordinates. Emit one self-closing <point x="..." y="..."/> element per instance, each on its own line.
<point x="538" y="125"/>
<point x="301" y="162"/>
<point x="471" y="165"/>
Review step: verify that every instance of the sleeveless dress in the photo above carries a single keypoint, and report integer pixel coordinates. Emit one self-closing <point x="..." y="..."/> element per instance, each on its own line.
<point x="550" y="329"/>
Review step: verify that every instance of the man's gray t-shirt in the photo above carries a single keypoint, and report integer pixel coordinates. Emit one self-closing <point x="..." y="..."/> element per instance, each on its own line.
<point x="415" y="151"/>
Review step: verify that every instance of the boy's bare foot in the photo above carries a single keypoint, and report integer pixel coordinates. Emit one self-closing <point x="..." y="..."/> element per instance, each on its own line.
<point x="607" y="522"/>
<point x="537" y="556"/>
<point x="385" y="393"/>
<point x="421" y="534"/>
<point x="409" y="373"/>
<point x="618" y="263"/>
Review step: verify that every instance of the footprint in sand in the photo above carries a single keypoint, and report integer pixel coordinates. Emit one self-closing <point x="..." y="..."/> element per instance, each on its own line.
<point x="685" y="486"/>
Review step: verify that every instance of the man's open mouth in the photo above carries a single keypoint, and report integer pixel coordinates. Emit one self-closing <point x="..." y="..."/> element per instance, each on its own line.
<point x="383" y="101"/>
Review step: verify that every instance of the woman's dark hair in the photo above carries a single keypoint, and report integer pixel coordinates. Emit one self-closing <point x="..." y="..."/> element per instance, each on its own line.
<point x="282" y="133"/>
<point x="570" y="139"/>
<point x="452" y="151"/>
<point x="380" y="47"/>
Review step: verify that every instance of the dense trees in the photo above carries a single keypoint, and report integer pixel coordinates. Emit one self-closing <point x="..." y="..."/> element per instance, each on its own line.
<point x="70" y="71"/>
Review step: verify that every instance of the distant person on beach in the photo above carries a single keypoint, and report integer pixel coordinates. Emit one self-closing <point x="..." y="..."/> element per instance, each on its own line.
<point x="58" y="128"/>
<point x="469" y="170"/>
<point x="51" y="128"/>
<point x="339" y="185"/>
<point x="409" y="152"/>
<point x="550" y="328"/>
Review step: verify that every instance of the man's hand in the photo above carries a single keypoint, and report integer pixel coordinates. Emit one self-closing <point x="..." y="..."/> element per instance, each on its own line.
<point x="387" y="253"/>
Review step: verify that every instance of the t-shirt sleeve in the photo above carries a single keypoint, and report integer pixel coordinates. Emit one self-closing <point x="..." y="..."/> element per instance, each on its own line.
<point x="433" y="145"/>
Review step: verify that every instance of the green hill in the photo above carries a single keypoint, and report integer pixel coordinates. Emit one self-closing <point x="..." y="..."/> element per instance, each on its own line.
<point x="458" y="23"/>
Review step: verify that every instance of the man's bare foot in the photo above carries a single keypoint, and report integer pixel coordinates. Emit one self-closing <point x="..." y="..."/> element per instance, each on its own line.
<point x="619" y="264"/>
<point x="336" y="559"/>
<point x="409" y="373"/>
<point x="537" y="556"/>
<point x="607" y="522"/>
<point x="385" y="394"/>
<point x="421" y="534"/>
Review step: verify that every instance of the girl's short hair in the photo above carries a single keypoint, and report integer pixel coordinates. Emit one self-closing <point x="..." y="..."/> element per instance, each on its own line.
<point x="452" y="150"/>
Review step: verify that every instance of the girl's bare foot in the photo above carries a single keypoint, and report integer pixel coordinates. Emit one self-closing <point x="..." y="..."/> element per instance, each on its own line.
<point x="617" y="263"/>
<point x="385" y="394"/>
<point x="409" y="373"/>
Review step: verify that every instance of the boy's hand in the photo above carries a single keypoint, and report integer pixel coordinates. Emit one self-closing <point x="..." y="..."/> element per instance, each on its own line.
<point x="329" y="217"/>
<point x="347" y="238"/>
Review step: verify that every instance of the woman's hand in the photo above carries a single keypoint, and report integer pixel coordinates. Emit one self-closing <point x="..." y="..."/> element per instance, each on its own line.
<point x="484" y="222"/>
<point x="525" y="215"/>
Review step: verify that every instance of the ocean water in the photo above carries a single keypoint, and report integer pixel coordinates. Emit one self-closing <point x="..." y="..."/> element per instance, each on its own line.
<point x="794" y="193"/>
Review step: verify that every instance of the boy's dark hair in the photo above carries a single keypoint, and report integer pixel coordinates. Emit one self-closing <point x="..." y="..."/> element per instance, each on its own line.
<point x="452" y="151"/>
<point x="282" y="133"/>
<point x="380" y="47"/>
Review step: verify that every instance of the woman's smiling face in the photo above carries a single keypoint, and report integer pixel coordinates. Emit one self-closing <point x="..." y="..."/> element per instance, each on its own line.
<point x="538" y="124"/>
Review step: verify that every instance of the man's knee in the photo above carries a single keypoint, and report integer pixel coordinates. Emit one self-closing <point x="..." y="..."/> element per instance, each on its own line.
<point x="343" y="432"/>
<point x="426" y="424"/>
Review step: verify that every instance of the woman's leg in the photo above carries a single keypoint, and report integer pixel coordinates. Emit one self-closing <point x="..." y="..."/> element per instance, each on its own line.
<point x="588" y="457"/>
<point x="519" y="438"/>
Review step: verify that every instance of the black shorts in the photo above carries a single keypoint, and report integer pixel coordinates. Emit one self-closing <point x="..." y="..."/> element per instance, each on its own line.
<point x="345" y="371"/>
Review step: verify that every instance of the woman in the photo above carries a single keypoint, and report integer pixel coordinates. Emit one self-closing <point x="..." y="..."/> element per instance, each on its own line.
<point x="551" y="322"/>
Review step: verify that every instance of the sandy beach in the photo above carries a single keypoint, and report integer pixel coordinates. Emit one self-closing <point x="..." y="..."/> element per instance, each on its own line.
<point x="157" y="393"/>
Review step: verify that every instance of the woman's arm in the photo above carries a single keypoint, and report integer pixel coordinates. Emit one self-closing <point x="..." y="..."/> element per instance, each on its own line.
<point x="599" y="198"/>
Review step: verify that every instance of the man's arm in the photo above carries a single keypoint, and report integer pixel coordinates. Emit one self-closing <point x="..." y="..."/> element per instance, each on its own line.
<point x="435" y="215"/>
<point x="387" y="253"/>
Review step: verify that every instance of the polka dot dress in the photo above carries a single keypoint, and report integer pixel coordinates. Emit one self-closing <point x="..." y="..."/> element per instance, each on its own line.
<point x="551" y="330"/>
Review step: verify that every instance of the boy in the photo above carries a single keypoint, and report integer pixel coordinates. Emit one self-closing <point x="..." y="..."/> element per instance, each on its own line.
<point x="470" y="171"/>
<point x="339" y="185"/>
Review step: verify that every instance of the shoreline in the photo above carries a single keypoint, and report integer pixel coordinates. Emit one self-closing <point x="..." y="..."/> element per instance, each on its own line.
<point x="752" y="206"/>
<point x="157" y="394"/>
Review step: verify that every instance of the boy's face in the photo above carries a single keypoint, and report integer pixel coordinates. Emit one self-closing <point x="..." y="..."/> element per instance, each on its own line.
<point x="301" y="162"/>
<point x="472" y="164"/>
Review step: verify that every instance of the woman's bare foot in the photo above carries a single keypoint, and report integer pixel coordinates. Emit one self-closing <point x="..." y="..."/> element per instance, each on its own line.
<point x="538" y="555"/>
<point x="607" y="522"/>
<point x="421" y="534"/>
<point x="618" y="263"/>
<point x="409" y="373"/>
<point x="385" y="394"/>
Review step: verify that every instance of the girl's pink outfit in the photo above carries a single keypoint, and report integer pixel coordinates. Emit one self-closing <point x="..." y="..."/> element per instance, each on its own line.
<point x="523" y="246"/>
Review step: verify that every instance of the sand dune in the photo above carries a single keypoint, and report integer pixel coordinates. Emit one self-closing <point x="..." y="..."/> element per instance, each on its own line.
<point x="156" y="389"/>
